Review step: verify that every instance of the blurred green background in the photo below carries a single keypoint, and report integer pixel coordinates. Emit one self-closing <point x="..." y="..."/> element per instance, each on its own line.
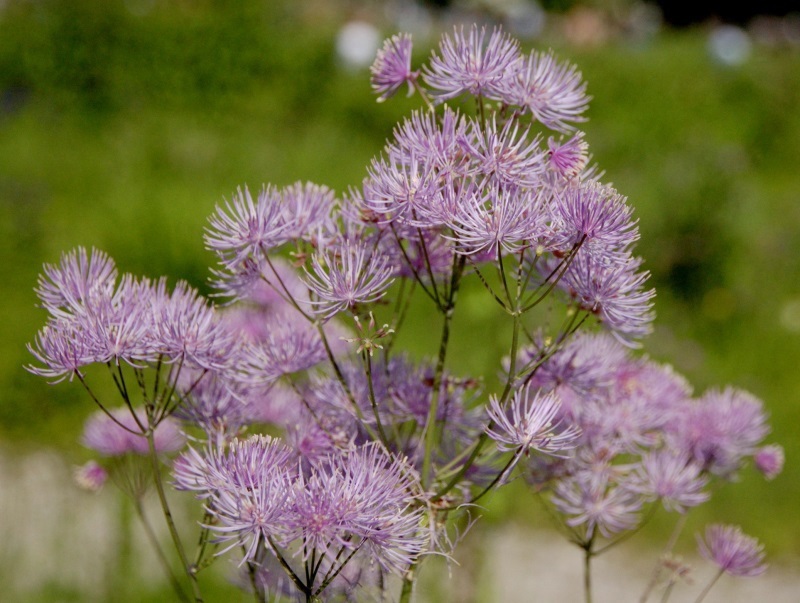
<point x="122" y="124"/>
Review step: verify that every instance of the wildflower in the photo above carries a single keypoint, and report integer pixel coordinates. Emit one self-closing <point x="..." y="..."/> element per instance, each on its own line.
<point x="769" y="460"/>
<point x="90" y="476"/>
<point x="505" y="154"/>
<point x="392" y="67"/>
<point x="306" y="211"/>
<point x="246" y="228"/>
<point x="354" y="275"/>
<point x="554" y="93"/>
<point x="434" y="141"/>
<point x="360" y="499"/>
<point x="569" y="158"/>
<point x="497" y="217"/>
<point x="732" y="551"/>
<point x="77" y="278"/>
<point x="119" y="432"/>
<point x="671" y="478"/>
<point x="614" y="292"/>
<point x="596" y="218"/>
<point x="532" y="422"/>
<point x="597" y="506"/>
<point x="720" y="429"/>
<point x="469" y="64"/>
<point x="188" y="330"/>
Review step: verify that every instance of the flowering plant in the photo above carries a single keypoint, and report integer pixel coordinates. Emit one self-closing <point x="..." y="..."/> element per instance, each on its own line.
<point x="328" y="461"/>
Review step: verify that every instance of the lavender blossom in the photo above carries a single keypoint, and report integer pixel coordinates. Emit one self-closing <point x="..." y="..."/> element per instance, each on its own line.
<point x="246" y="228"/>
<point x="769" y="460"/>
<point x="732" y="551"/>
<point x="392" y="67"/>
<point x="671" y="478"/>
<point x="553" y="92"/>
<point x="90" y="476"/>
<point x="470" y="64"/>
<point x="588" y="503"/>
<point x="497" y="217"/>
<point x="77" y="278"/>
<point x="531" y="422"/>
<point x="505" y="154"/>
<point x="404" y="191"/>
<point x="361" y="499"/>
<point x="352" y="274"/>
<point x="124" y="434"/>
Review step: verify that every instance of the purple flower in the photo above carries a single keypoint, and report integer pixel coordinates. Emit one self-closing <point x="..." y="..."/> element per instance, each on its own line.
<point x="531" y="422"/>
<point x="90" y="476"/>
<point x="246" y="488"/>
<point x="306" y="211"/>
<point x="732" y="551"/>
<point x="554" y="93"/>
<point x="190" y="331"/>
<point x="62" y="347"/>
<point x="392" y="67"/>
<point x="614" y="292"/>
<point x="77" y="279"/>
<point x="361" y="499"/>
<point x="124" y="434"/>
<point x="594" y="216"/>
<point x="671" y="478"/>
<point x="433" y="141"/>
<point x="568" y="159"/>
<point x="290" y="345"/>
<point x="470" y="64"/>
<point x="404" y="191"/>
<point x="769" y="460"/>
<point x="348" y="275"/>
<point x="720" y="429"/>
<point x="596" y="506"/>
<point x="505" y="154"/>
<point x="246" y="228"/>
<point x="506" y="217"/>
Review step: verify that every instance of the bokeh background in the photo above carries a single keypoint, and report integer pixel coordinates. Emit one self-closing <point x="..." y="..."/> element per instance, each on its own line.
<point x="124" y="122"/>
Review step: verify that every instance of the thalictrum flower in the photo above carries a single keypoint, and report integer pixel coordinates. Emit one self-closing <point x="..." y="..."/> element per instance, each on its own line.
<point x="769" y="460"/>
<point x="468" y="63"/>
<point x="532" y="422"/>
<point x="347" y="275"/>
<point x="671" y="478"/>
<point x="553" y="92"/>
<point x="76" y="279"/>
<point x="732" y="551"/>
<point x="392" y="67"/>
<point x="244" y="227"/>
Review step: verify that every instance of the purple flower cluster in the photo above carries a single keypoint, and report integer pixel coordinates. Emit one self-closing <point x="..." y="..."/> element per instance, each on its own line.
<point x="643" y="437"/>
<point x="95" y="319"/>
<point x="358" y="503"/>
<point x="373" y="453"/>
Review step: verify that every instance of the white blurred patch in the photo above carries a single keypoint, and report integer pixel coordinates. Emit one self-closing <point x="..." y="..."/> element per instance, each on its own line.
<point x="790" y="315"/>
<point x="357" y="44"/>
<point x="729" y="45"/>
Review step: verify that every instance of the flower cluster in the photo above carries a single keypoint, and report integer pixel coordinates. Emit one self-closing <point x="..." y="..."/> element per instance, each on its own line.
<point x="372" y="454"/>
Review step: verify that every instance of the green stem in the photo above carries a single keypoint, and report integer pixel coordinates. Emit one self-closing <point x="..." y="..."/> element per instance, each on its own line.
<point x="151" y="535"/>
<point x="710" y="585"/>
<point x="173" y="531"/>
